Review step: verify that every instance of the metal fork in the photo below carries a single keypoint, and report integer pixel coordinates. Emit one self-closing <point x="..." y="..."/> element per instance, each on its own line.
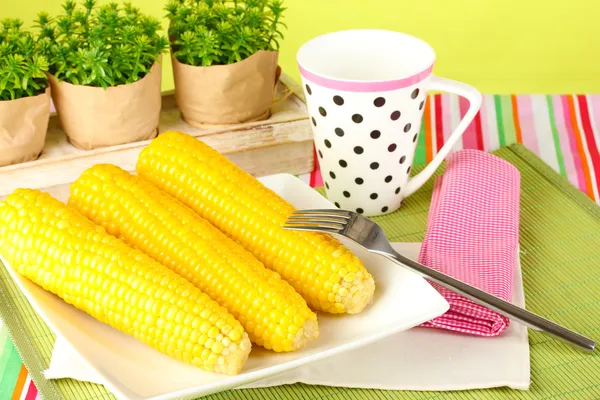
<point x="369" y="235"/>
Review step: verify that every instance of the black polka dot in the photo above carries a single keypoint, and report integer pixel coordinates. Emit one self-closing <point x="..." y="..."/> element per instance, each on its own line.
<point x="395" y="115"/>
<point x="327" y="185"/>
<point x="421" y="105"/>
<point x="360" y="210"/>
<point x="375" y="134"/>
<point x="339" y="132"/>
<point x="322" y="111"/>
<point x="388" y="179"/>
<point x="408" y="170"/>
<point x="343" y="163"/>
<point x="379" y="102"/>
<point x="320" y="154"/>
<point x="414" y="94"/>
<point x="357" y="118"/>
<point x="337" y="204"/>
<point x="402" y="159"/>
<point x="374" y="165"/>
<point x="314" y="121"/>
<point x="338" y="100"/>
<point x="346" y="193"/>
<point x="332" y="175"/>
<point x="358" y="150"/>
<point x="384" y="209"/>
<point x="397" y="190"/>
<point x="359" y="181"/>
<point x="415" y="137"/>
<point x="392" y="147"/>
<point x="308" y="89"/>
<point x="407" y="127"/>
<point x="374" y="196"/>
<point x="327" y="143"/>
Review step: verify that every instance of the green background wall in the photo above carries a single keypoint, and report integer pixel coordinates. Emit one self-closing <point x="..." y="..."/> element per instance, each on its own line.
<point x="499" y="46"/>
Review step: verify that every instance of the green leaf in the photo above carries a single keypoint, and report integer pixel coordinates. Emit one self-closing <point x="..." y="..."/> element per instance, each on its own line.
<point x="211" y="32"/>
<point x="98" y="45"/>
<point x="20" y="59"/>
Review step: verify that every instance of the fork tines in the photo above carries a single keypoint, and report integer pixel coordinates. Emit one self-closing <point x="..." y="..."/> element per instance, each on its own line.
<point x="321" y="220"/>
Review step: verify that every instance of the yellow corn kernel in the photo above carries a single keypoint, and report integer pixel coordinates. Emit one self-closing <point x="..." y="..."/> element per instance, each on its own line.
<point x="56" y="247"/>
<point x="150" y="220"/>
<point x="251" y="214"/>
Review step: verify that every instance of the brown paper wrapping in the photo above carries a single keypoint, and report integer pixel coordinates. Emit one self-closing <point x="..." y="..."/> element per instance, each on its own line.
<point x="93" y="117"/>
<point x="23" y="127"/>
<point x="227" y="94"/>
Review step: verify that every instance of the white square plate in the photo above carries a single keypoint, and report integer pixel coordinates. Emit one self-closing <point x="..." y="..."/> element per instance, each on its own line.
<point x="416" y="359"/>
<point x="133" y="371"/>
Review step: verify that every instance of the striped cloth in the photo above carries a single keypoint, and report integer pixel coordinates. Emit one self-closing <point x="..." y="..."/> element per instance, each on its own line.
<point x="15" y="383"/>
<point x="458" y="240"/>
<point x="563" y="130"/>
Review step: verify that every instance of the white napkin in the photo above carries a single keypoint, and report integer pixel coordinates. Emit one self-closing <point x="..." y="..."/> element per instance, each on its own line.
<point x="417" y="359"/>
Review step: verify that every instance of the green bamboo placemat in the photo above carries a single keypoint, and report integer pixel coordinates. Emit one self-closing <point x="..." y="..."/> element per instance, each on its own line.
<point x="560" y="257"/>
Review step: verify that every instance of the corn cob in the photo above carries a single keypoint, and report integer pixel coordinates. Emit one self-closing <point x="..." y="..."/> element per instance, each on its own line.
<point x="320" y="268"/>
<point x="271" y="311"/>
<point x="54" y="246"/>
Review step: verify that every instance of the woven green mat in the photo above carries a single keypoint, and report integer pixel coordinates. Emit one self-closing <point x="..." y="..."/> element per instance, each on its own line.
<point x="560" y="257"/>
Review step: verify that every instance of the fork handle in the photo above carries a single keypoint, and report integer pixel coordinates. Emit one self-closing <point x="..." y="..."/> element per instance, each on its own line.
<point x="494" y="303"/>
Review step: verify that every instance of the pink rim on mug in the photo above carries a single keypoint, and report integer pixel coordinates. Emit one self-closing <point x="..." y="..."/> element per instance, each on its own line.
<point x="310" y="70"/>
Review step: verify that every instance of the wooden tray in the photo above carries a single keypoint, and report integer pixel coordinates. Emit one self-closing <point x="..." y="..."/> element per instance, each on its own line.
<point x="283" y="143"/>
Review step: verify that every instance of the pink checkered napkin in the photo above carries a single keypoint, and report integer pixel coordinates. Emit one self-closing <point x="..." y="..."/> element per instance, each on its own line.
<point x="473" y="235"/>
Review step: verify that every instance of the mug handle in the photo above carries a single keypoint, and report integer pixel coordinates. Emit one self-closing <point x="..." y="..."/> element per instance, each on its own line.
<point x="474" y="97"/>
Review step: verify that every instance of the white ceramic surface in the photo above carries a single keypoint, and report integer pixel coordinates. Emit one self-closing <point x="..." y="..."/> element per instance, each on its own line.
<point x="134" y="371"/>
<point x="365" y="93"/>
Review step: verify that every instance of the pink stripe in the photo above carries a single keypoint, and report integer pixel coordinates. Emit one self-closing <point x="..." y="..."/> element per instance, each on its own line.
<point x="594" y="108"/>
<point x="469" y="138"/>
<point x="358" y="86"/>
<point x="485" y="131"/>
<point x="564" y="140"/>
<point x="433" y="123"/>
<point x="527" y="123"/>
<point x="31" y="391"/>
<point x="316" y="179"/>
<point x="447" y="118"/>
<point x="568" y="127"/>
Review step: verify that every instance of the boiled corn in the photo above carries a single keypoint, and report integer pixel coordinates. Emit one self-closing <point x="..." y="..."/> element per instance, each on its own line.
<point x="326" y="273"/>
<point x="271" y="311"/>
<point x="57" y="248"/>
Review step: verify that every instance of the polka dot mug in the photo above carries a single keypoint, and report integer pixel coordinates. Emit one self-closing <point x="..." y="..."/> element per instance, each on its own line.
<point x="365" y="92"/>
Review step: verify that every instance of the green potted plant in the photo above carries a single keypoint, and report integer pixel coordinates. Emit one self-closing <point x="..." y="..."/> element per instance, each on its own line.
<point x="225" y="58"/>
<point x="24" y="95"/>
<point x="105" y="72"/>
